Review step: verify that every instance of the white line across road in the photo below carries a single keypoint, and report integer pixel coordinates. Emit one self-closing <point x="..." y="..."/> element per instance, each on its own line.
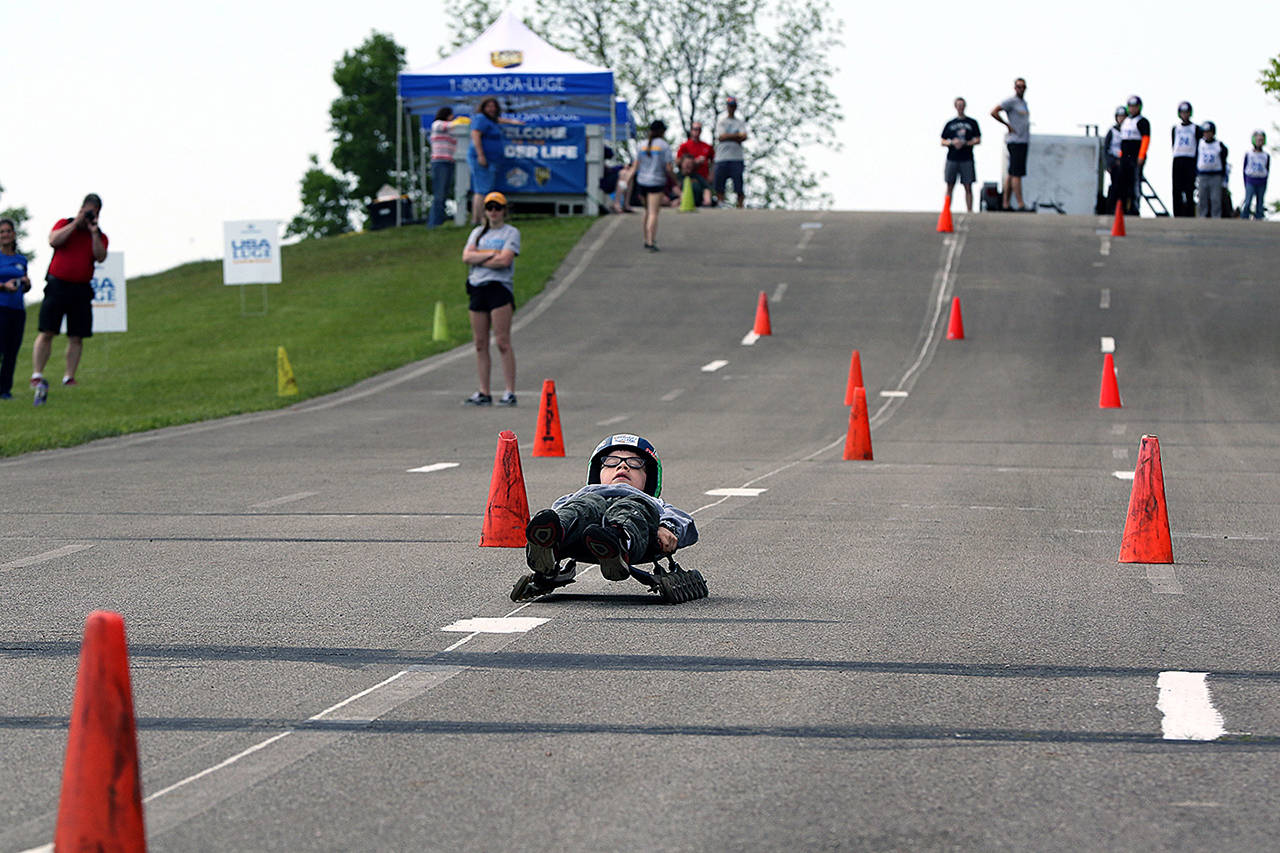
<point x="778" y="291"/>
<point x="736" y="493"/>
<point x="44" y="557"/>
<point x="1187" y="707"/>
<point x="713" y="366"/>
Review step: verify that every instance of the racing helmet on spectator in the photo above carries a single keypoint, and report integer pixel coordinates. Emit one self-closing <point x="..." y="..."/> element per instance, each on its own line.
<point x="652" y="463"/>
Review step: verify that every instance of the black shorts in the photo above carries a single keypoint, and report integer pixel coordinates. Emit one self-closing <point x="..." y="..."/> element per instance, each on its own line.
<point x="646" y="190"/>
<point x="70" y="299"/>
<point x="489" y="295"/>
<point x="728" y="170"/>
<point x="1017" y="158"/>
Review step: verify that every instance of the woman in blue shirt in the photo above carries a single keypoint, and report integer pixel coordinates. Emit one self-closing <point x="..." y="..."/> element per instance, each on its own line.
<point x="485" y="154"/>
<point x="13" y="313"/>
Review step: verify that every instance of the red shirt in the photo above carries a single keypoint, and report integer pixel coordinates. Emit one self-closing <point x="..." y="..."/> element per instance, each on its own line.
<point x="73" y="260"/>
<point x="696" y="148"/>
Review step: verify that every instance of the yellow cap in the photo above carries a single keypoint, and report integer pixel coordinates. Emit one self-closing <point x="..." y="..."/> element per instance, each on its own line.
<point x="496" y="196"/>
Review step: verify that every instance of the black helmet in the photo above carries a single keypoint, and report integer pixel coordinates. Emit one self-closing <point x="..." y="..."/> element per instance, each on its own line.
<point x="1208" y="126"/>
<point x="1185" y="105"/>
<point x="1121" y="111"/>
<point x="1135" y="101"/>
<point x="652" y="466"/>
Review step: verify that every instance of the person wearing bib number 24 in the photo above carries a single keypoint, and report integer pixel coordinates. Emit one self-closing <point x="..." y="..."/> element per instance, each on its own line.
<point x="490" y="254"/>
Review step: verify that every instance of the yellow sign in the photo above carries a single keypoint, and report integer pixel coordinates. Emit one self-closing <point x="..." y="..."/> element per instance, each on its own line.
<point x="506" y="58"/>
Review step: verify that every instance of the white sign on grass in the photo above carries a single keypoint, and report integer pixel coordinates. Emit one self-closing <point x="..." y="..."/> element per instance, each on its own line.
<point x="110" y="306"/>
<point x="251" y="252"/>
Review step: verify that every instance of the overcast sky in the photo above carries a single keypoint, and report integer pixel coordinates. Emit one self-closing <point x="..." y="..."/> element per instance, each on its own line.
<point x="182" y="116"/>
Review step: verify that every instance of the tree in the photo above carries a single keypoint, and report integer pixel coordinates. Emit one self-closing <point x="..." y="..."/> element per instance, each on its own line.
<point x="1270" y="81"/>
<point x="326" y="205"/>
<point x="19" y="216"/>
<point x="363" y="117"/>
<point x="675" y="57"/>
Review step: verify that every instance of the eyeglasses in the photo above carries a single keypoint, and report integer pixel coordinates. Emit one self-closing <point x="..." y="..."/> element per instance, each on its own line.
<point x="493" y="205"/>
<point x="633" y="462"/>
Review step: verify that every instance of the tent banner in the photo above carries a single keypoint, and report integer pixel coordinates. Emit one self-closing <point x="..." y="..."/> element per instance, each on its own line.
<point x="251" y="252"/>
<point x="110" y="304"/>
<point x="544" y="159"/>
<point x="506" y="84"/>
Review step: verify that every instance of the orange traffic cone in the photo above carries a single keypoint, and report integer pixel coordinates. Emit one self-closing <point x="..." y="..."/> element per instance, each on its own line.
<point x="762" y="326"/>
<point x="1109" y="394"/>
<point x="855" y="377"/>
<point x="1117" y="224"/>
<point x="944" y="218"/>
<point x="507" y="514"/>
<point x="1146" y="529"/>
<point x="955" y="328"/>
<point x="548" y="441"/>
<point x="101" y="803"/>
<point x="857" y="442"/>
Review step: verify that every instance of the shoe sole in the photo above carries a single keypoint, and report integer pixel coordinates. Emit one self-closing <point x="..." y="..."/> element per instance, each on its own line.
<point x="539" y="550"/>
<point x="612" y="565"/>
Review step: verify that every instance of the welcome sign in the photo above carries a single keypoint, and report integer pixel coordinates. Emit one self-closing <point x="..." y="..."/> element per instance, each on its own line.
<point x="251" y="252"/>
<point x="544" y="159"/>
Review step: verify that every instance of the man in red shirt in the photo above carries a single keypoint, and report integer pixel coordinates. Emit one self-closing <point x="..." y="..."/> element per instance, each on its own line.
<point x="701" y="152"/>
<point x="77" y="243"/>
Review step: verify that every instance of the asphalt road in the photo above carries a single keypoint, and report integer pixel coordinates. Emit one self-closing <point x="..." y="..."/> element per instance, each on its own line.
<point x="934" y="650"/>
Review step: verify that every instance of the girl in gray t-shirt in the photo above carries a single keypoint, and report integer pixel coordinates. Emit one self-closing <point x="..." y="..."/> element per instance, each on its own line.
<point x="490" y="255"/>
<point x="654" y="171"/>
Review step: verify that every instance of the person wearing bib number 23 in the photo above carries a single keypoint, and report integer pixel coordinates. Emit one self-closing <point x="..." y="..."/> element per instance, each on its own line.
<point x="1211" y="170"/>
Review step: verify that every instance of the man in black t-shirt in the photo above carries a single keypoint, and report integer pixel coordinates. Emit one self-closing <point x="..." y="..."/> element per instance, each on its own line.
<point x="959" y="136"/>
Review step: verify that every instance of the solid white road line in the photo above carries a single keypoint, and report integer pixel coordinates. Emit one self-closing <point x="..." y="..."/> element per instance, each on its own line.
<point x="713" y="366"/>
<point x="46" y="556"/>
<point x="1187" y="707"/>
<point x="434" y="466"/>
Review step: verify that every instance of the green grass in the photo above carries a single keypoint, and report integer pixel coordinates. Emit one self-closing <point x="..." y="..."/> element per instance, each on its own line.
<point x="350" y="307"/>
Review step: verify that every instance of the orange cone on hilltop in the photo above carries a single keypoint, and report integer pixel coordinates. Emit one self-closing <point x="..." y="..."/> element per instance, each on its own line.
<point x="857" y="442"/>
<point x="548" y="441"/>
<point x="507" y="514"/>
<point x="944" y="218"/>
<point x="763" y="326"/>
<point x="955" y="327"/>
<point x="1117" y="224"/>
<point x="855" y="377"/>
<point x="100" y="807"/>
<point x="1146" y="528"/>
<point x="1109" y="393"/>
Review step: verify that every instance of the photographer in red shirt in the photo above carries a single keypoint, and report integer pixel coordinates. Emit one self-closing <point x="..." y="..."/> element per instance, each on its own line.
<point x="77" y="243"/>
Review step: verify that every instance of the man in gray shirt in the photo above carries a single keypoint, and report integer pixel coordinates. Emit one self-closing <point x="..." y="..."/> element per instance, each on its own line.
<point x="1016" y="140"/>
<point x="731" y="132"/>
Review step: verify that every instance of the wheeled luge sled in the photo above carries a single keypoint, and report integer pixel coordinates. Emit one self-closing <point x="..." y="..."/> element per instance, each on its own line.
<point x="673" y="584"/>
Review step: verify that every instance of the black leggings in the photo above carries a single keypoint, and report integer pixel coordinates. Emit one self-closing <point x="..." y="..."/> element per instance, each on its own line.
<point x="13" y="322"/>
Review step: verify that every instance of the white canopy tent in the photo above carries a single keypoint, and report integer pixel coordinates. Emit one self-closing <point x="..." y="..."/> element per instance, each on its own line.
<point x="533" y="81"/>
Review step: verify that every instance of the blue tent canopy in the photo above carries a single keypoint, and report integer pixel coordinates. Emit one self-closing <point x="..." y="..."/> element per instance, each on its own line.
<point x="533" y="81"/>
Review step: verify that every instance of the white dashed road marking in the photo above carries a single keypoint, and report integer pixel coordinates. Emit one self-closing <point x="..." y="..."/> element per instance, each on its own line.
<point x="736" y="493"/>
<point x="1104" y="300"/>
<point x="1163" y="580"/>
<point x="672" y="394"/>
<point x="1187" y="707"/>
<point x="713" y="366"/>
<point x="1107" y="344"/>
<point x="434" y="466"/>
<point x="893" y="393"/>
<point x="287" y="499"/>
<point x="46" y="556"/>
<point x="750" y="338"/>
<point x="778" y="291"/>
<point x="495" y="625"/>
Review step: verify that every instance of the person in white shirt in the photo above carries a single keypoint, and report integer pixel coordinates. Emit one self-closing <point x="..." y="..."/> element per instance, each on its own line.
<point x="1257" y="166"/>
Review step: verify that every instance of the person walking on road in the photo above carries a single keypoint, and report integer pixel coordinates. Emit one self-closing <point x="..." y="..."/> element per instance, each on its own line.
<point x="1184" y="136"/>
<point x="77" y="243"/>
<point x="1017" y="140"/>
<point x="490" y="253"/>
<point x="13" y="312"/>
<point x="959" y="136"/>
<point x="652" y="176"/>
